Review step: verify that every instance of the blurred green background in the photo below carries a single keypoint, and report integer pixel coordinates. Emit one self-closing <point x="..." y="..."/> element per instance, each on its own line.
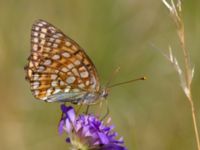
<point x="150" y="115"/>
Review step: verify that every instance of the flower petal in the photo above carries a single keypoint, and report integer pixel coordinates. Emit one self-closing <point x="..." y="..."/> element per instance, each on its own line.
<point x="60" y="127"/>
<point x="103" y="138"/>
<point x="71" y="115"/>
<point x="88" y="131"/>
<point x="68" y="126"/>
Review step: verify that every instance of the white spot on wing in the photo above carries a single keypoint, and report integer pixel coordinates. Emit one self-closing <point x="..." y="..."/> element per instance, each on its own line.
<point x="55" y="45"/>
<point x="77" y="62"/>
<point x="40" y="24"/>
<point x="29" y="72"/>
<point x="65" y="54"/>
<point x="81" y="85"/>
<point x="42" y="35"/>
<point x="30" y="64"/>
<point x="70" y="79"/>
<point x="49" y="44"/>
<point x="64" y="69"/>
<point x="49" y="92"/>
<point x="35" y="47"/>
<point x="54" y="76"/>
<point x="56" y="91"/>
<point x="54" y="83"/>
<point x="35" y="33"/>
<point x="41" y="68"/>
<point x="62" y="83"/>
<point x="67" y="43"/>
<point x="35" y="86"/>
<point x="35" y="40"/>
<point x="44" y="30"/>
<point x="67" y="90"/>
<point x="75" y="72"/>
<point x="43" y="98"/>
<point x="84" y="74"/>
<point x="75" y="90"/>
<point x="59" y="34"/>
<point x="56" y="57"/>
<point x="56" y="36"/>
<point x="36" y="83"/>
<point x="87" y="83"/>
<point x="47" y="62"/>
<point x="51" y="39"/>
<point x="35" y="57"/>
<point x="58" y="41"/>
<point x="48" y="49"/>
<point x="37" y="28"/>
<point x="36" y="92"/>
<point x="74" y="48"/>
<point x="70" y="66"/>
<point x="42" y="42"/>
<point x="36" y="77"/>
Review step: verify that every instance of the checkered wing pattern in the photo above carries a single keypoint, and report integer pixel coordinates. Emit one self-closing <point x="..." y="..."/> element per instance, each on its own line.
<point x="58" y="65"/>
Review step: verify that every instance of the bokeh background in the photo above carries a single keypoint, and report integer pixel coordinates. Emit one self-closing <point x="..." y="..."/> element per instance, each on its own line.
<point x="152" y="114"/>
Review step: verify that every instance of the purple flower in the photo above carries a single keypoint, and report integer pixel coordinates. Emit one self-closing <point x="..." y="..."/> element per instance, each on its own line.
<point x="86" y="132"/>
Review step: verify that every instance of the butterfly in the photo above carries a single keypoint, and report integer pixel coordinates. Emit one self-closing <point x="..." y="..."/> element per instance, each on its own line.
<point x="59" y="70"/>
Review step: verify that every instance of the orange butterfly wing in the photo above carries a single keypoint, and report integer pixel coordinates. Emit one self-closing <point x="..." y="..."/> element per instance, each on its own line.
<point x="57" y="64"/>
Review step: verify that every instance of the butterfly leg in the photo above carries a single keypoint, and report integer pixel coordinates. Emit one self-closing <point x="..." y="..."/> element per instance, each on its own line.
<point x="99" y="111"/>
<point x="87" y="109"/>
<point x="107" y="111"/>
<point x="79" y="108"/>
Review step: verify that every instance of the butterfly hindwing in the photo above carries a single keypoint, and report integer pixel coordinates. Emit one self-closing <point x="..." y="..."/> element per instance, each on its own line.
<point x="58" y="65"/>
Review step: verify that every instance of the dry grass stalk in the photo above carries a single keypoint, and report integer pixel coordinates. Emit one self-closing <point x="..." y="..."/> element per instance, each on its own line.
<point x="186" y="74"/>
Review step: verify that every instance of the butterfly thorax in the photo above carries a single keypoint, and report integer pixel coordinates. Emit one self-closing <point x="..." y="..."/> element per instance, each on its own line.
<point x="103" y="93"/>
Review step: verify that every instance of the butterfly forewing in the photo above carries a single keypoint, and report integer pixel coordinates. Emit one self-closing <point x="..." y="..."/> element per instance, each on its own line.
<point x="58" y="66"/>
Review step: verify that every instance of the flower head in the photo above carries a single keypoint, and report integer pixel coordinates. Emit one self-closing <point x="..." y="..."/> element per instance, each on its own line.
<point x="86" y="132"/>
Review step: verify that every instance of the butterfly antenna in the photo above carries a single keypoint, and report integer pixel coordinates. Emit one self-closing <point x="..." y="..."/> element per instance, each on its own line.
<point x="112" y="76"/>
<point x="126" y="82"/>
